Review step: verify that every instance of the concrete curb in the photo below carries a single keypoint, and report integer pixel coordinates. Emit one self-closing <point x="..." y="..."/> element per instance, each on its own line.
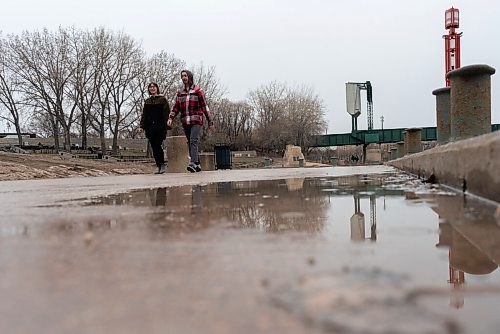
<point x="472" y="165"/>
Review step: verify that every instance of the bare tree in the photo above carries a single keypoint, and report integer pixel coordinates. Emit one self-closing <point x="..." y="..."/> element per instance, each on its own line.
<point x="305" y="115"/>
<point x="9" y="93"/>
<point x="22" y="59"/>
<point x="75" y="81"/>
<point x="285" y="116"/>
<point x="268" y="105"/>
<point x="41" y="61"/>
<point x="101" y="54"/>
<point x="41" y="123"/>
<point x="124" y="68"/>
<point x="83" y="85"/>
<point x="234" y="125"/>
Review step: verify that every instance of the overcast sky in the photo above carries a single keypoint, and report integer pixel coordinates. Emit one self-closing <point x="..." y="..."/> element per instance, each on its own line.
<point x="395" y="44"/>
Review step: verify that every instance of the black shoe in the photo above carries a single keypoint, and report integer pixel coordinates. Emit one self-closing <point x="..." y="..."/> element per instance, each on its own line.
<point x="197" y="167"/>
<point x="161" y="170"/>
<point x="191" y="168"/>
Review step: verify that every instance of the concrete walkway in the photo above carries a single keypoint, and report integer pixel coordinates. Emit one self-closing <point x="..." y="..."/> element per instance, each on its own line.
<point x="199" y="253"/>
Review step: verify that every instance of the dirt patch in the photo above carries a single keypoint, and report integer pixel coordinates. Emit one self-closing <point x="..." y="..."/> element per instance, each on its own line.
<point x="14" y="166"/>
<point x="17" y="166"/>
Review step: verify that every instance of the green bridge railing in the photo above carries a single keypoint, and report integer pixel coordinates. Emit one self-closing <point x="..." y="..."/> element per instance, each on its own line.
<point x="375" y="136"/>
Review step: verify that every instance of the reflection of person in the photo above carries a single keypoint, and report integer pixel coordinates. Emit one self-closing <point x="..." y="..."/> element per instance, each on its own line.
<point x="196" y="206"/>
<point x="191" y="103"/>
<point x="161" y="197"/>
<point x="154" y="122"/>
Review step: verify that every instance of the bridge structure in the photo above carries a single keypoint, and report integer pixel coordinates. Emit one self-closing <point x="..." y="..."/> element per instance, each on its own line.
<point x="382" y="136"/>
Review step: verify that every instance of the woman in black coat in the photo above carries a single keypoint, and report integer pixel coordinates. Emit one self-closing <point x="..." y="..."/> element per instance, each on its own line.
<point x="154" y="123"/>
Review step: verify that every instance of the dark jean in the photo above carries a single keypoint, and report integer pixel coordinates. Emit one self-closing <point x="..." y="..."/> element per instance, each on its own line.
<point x="192" y="133"/>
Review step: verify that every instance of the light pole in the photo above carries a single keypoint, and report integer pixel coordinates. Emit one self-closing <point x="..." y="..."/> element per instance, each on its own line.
<point x="382" y="121"/>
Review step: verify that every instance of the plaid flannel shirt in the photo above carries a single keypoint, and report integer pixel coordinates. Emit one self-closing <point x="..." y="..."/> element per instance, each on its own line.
<point x="192" y="106"/>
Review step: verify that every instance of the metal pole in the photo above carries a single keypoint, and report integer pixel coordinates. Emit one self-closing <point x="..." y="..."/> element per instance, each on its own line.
<point x="382" y="121"/>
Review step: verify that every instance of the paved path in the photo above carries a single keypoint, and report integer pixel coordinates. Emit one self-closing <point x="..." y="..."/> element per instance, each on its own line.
<point x="180" y="253"/>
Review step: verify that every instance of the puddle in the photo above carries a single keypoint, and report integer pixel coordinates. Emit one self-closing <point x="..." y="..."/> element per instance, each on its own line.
<point x="412" y="257"/>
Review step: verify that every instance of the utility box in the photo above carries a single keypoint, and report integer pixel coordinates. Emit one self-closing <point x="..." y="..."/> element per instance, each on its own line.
<point x="222" y="157"/>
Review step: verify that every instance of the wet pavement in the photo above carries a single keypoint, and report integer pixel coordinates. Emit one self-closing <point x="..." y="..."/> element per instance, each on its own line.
<point x="363" y="250"/>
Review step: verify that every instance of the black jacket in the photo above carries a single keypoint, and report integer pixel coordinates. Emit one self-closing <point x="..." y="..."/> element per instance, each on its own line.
<point x="155" y="115"/>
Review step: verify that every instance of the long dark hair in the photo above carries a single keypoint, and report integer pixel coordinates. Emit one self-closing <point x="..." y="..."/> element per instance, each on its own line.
<point x="190" y="77"/>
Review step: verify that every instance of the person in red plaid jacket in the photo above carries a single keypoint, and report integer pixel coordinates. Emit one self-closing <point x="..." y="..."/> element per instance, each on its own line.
<point x="191" y="104"/>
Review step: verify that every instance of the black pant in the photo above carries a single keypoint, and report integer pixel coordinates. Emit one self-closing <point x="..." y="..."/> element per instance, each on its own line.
<point x="156" y="139"/>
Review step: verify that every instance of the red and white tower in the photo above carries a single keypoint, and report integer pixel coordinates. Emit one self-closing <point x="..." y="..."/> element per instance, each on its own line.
<point x="451" y="41"/>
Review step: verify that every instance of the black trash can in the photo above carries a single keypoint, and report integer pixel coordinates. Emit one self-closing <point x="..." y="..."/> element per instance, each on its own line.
<point x="222" y="157"/>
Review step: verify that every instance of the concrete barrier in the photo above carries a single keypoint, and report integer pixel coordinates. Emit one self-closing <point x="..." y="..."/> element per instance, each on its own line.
<point x="177" y="154"/>
<point x="207" y="161"/>
<point x="472" y="165"/>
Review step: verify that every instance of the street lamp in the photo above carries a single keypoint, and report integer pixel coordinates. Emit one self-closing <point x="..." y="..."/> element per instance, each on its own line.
<point x="382" y="121"/>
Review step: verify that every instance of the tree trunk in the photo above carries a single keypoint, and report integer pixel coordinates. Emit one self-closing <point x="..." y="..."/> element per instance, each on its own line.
<point x="55" y="130"/>
<point x="84" y="131"/>
<point x="67" y="138"/>
<point x="102" y="135"/>
<point x="19" y="137"/>
<point x="115" y="140"/>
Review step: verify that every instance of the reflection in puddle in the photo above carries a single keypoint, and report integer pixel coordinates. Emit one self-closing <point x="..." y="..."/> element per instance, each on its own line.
<point x="434" y="235"/>
<point x="471" y="234"/>
<point x="466" y="227"/>
<point x="273" y="206"/>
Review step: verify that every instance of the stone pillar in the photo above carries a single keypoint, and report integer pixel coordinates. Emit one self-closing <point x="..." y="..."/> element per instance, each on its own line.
<point x="373" y="154"/>
<point x="413" y="140"/>
<point x="394" y="153"/>
<point x="177" y="154"/>
<point x="470" y="100"/>
<point x="443" y="116"/>
<point x="400" y="148"/>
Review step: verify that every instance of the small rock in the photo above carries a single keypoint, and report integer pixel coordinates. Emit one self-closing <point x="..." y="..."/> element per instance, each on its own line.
<point x="410" y="195"/>
<point x="88" y="236"/>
